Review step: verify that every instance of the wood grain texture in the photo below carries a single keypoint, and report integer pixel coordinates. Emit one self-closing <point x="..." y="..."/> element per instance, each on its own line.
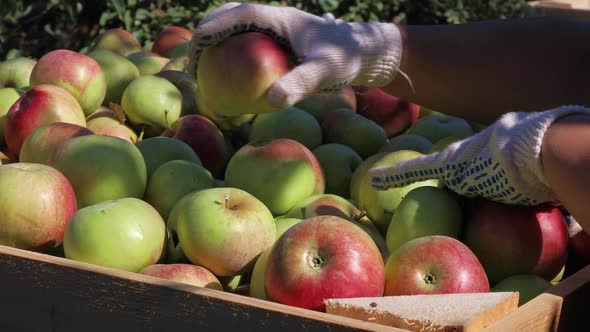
<point x="575" y="292"/>
<point x="538" y="315"/>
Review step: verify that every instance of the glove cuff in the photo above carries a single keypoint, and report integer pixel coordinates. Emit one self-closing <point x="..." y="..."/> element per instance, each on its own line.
<point x="381" y="44"/>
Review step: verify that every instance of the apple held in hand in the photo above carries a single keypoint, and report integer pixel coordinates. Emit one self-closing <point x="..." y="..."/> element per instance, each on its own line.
<point x="126" y="234"/>
<point x="184" y="273"/>
<point x="434" y="265"/>
<point x="323" y="257"/>
<point x="36" y="204"/>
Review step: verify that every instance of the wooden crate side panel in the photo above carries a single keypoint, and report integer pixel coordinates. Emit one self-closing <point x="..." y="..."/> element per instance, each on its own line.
<point x="575" y="292"/>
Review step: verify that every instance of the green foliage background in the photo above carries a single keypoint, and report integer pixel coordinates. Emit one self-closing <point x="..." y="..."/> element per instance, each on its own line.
<point x="33" y="27"/>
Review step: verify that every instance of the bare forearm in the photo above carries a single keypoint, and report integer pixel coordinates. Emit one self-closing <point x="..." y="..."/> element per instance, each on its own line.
<point x="482" y="70"/>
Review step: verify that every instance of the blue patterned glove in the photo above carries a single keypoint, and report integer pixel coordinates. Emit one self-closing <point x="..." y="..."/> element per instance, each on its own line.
<point x="501" y="163"/>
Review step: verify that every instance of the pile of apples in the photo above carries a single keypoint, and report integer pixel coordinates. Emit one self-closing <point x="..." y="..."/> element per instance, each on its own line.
<point x="119" y="157"/>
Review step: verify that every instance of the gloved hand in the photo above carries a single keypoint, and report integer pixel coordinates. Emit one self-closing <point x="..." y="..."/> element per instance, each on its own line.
<point x="501" y="163"/>
<point x="332" y="53"/>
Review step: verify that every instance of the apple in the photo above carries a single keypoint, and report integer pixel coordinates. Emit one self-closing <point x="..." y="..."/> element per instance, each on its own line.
<point x="36" y="204"/>
<point x="107" y="122"/>
<point x="147" y="63"/>
<point x="223" y="122"/>
<point x="152" y="101"/>
<point x="170" y="37"/>
<point x="172" y="180"/>
<point x="118" y="73"/>
<point x="422" y="212"/>
<point x="395" y="115"/>
<point x="42" y="104"/>
<point x="381" y="204"/>
<point x="338" y="163"/>
<point x="178" y="64"/>
<point x="290" y="122"/>
<point x="320" y="258"/>
<point x="157" y="151"/>
<point x="78" y="73"/>
<point x="359" y="174"/>
<point x="223" y="229"/>
<point x="102" y="168"/>
<point x="354" y="130"/>
<point x="126" y="234"/>
<point x="185" y="273"/>
<point x="206" y="140"/>
<point x="320" y="104"/>
<point x="257" y="278"/>
<point x="443" y="143"/>
<point x="6" y="157"/>
<point x="437" y="126"/>
<point x="41" y="144"/>
<point x="515" y="239"/>
<point x="117" y="40"/>
<point x="16" y="73"/>
<point x="280" y="173"/>
<point x="528" y="286"/>
<point x="434" y="264"/>
<point x="7" y="98"/>
<point x="188" y="88"/>
<point x="235" y="75"/>
<point x="407" y="142"/>
<point x="180" y="50"/>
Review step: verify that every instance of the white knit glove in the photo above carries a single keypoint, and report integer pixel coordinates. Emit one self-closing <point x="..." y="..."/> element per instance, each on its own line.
<point x="501" y="163"/>
<point x="329" y="53"/>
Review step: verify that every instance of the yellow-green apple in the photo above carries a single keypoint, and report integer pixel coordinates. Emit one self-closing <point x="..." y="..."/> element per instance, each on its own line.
<point x="280" y="173"/>
<point x="381" y="204"/>
<point x="16" y="73"/>
<point x="234" y="76"/>
<point x="223" y="229"/>
<point x="102" y="168"/>
<point x="232" y="283"/>
<point x="170" y="37"/>
<point x="290" y="122"/>
<point x="515" y="239"/>
<point x="188" y="88"/>
<point x="7" y="98"/>
<point x="407" y="142"/>
<point x="437" y="126"/>
<point x="528" y="286"/>
<point x="185" y="273"/>
<point x="159" y="150"/>
<point x="107" y="122"/>
<point x="422" y="212"/>
<point x="78" y="73"/>
<point x="354" y="130"/>
<point x="147" y="63"/>
<point x="206" y="140"/>
<point x="178" y="64"/>
<point x="320" y="104"/>
<point x="42" y="104"/>
<point x="118" y="73"/>
<point x="338" y="163"/>
<point x="257" y="277"/>
<point x="173" y="180"/>
<point x="434" y="264"/>
<point x="126" y="234"/>
<point x="36" y="204"/>
<point x="153" y="102"/>
<point x="223" y="122"/>
<point x="359" y="175"/>
<point x="395" y="115"/>
<point x="41" y="144"/>
<point x="323" y="257"/>
<point x="117" y="40"/>
<point x="442" y="143"/>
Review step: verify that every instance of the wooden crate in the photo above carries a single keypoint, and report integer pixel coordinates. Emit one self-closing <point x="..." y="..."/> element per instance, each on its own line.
<point x="559" y="8"/>
<point x="45" y="293"/>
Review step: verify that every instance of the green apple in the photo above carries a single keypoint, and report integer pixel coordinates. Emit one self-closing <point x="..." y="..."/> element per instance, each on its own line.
<point x="7" y="97"/>
<point x="359" y="174"/>
<point x="338" y="163"/>
<point x="16" y="73"/>
<point x="117" y="40"/>
<point x="174" y="179"/>
<point x="437" y="126"/>
<point x="126" y="234"/>
<point x="102" y="168"/>
<point x="178" y="63"/>
<point x="407" y="142"/>
<point x="422" y="212"/>
<point x="290" y="122"/>
<point x="118" y="72"/>
<point x="223" y="229"/>
<point x="320" y="104"/>
<point x="158" y="150"/>
<point x="147" y="63"/>
<point x="528" y="286"/>
<point x="442" y="143"/>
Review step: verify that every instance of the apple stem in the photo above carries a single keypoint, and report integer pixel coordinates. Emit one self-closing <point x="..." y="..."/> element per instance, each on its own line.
<point x="226" y="199"/>
<point x="430" y="279"/>
<point x="140" y="138"/>
<point x="303" y="210"/>
<point x="166" y="119"/>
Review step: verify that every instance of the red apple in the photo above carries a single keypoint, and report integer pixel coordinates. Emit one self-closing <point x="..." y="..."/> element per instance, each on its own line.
<point x="185" y="273"/>
<point x="118" y="40"/>
<point x="78" y="73"/>
<point x="323" y="257"/>
<point x="42" y="104"/>
<point x="320" y="104"/>
<point x="170" y="37"/>
<point x="514" y="239"/>
<point x="392" y="113"/>
<point x="36" y="204"/>
<point x="235" y="75"/>
<point x="434" y="264"/>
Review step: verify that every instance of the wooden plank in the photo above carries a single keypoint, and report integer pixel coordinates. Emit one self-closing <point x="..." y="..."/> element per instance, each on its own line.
<point x="575" y="292"/>
<point x="46" y="293"/>
<point x="538" y="315"/>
